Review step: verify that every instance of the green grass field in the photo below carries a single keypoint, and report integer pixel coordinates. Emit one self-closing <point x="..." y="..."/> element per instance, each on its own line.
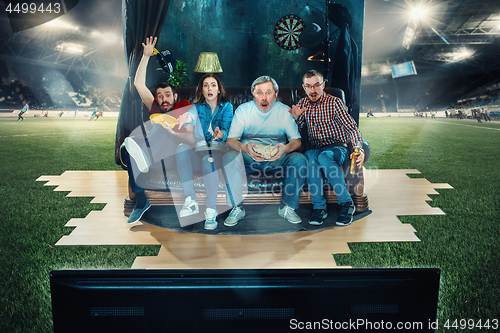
<point x="463" y="243"/>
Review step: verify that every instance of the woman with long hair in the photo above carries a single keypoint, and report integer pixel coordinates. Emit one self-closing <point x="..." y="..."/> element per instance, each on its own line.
<point x="212" y="119"/>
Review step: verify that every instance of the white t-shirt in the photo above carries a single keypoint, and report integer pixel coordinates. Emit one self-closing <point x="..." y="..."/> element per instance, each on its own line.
<point x="250" y="124"/>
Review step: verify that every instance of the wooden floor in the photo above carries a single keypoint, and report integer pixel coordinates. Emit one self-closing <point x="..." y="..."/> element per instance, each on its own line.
<point x="391" y="193"/>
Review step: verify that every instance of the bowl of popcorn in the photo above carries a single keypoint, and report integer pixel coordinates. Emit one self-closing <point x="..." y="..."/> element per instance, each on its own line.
<point x="266" y="151"/>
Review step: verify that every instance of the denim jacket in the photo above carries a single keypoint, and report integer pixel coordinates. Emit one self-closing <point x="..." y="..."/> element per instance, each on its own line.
<point x="222" y="117"/>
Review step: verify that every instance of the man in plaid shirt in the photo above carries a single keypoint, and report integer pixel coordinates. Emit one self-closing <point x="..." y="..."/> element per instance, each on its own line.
<point x="330" y="128"/>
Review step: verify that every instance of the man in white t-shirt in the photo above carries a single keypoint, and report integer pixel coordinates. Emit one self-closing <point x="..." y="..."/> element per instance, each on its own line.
<point x="264" y="121"/>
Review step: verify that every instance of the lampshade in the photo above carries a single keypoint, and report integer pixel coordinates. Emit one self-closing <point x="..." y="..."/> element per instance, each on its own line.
<point x="208" y="62"/>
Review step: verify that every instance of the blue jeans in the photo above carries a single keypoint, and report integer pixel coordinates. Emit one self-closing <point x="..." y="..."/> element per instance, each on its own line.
<point x="330" y="160"/>
<point x="292" y="165"/>
<point x="188" y="162"/>
<point x="162" y="147"/>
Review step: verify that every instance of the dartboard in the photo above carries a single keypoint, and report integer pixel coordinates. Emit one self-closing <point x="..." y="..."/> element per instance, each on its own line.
<point x="287" y="31"/>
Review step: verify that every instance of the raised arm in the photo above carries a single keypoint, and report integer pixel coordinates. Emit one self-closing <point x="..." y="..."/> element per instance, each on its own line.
<point x="140" y="75"/>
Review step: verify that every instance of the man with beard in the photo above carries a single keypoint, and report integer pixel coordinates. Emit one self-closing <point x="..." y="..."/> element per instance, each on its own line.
<point x="330" y="128"/>
<point x="264" y="122"/>
<point x="162" y="139"/>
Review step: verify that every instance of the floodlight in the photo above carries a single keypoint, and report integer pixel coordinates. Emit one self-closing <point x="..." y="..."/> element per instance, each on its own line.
<point x="418" y="13"/>
<point x="72" y="48"/>
<point x="461" y="54"/>
<point x="58" y="24"/>
<point x="108" y="37"/>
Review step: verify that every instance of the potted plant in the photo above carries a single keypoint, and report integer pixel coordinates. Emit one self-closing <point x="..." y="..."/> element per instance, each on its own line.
<point x="178" y="77"/>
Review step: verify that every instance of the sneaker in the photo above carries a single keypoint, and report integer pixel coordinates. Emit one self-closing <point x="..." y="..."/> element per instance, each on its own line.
<point x="137" y="213"/>
<point x="210" y="219"/>
<point x="347" y="210"/>
<point x="317" y="216"/>
<point x="136" y="152"/>
<point x="189" y="208"/>
<point x="236" y="214"/>
<point x="289" y="213"/>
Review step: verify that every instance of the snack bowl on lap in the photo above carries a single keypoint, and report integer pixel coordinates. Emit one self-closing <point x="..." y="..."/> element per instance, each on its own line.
<point x="266" y="151"/>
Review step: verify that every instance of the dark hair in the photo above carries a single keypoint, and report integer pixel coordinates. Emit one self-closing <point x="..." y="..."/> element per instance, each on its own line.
<point x="312" y="73"/>
<point x="199" y="98"/>
<point x="164" y="85"/>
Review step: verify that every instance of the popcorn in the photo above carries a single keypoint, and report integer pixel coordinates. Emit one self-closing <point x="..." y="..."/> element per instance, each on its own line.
<point x="266" y="151"/>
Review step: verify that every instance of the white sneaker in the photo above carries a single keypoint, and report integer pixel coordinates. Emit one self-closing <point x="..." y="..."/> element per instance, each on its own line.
<point x="210" y="219"/>
<point x="236" y="214"/>
<point x="189" y="208"/>
<point x="135" y="151"/>
<point x="289" y="213"/>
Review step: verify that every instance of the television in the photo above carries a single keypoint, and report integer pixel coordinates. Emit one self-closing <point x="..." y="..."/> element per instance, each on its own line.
<point x="266" y="300"/>
<point x="403" y="69"/>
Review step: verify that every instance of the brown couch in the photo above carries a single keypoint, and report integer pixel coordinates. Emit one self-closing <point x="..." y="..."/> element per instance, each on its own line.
<point x="262" y="189"/>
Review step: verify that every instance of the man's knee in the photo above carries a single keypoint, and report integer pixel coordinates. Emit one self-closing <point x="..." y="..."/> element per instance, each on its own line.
<point x="208" y="164"/>
<point x="311" y="155"/>
<point x="298" y="159"/>
<point x="298" y="164"/>
<point x="182" y="148"/>
<point x="328" y="158"/>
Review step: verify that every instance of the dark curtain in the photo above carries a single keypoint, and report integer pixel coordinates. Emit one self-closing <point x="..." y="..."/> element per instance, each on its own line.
<point x="342" y="71"/>
<point x="141" y="19"/>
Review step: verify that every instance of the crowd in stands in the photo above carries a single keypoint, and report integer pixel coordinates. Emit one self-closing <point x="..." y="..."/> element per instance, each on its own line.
<point x="13" y="95"/>
<point x="459" y="99"/>
<point x="476" y="105"/>
<point x="489" y="98"/>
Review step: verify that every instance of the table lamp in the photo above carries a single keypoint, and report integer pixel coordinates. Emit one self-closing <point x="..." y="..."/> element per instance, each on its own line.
<point x="208" y="62"/>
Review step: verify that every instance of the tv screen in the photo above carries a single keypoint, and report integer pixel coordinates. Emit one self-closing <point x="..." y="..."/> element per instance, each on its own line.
<point x="244" y="300"/>
<point x="404" y="69"/>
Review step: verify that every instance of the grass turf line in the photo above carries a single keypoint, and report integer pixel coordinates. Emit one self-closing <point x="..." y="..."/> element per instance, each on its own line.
<point x="33" y="215"/>
<point x="463" y="243"/>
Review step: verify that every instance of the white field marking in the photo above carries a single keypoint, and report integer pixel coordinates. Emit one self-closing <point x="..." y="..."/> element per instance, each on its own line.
<point x="444" y="122"/>
<point x="49" y="134"/>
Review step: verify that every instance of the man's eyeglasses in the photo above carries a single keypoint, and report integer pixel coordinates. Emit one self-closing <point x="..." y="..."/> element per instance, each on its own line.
<point x="316" y="86"/>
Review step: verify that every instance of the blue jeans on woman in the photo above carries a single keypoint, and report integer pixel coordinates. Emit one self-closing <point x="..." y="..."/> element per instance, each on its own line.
<point x="330" y="160"/>
<point x="188" y="162"/>
<point x="292" y="165"/>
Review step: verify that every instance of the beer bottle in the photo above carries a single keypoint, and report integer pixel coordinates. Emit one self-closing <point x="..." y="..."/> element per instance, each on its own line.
<point x="354" y="166"/>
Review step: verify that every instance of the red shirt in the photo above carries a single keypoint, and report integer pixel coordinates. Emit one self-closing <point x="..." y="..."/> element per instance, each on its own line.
<point x="178" y="110"/>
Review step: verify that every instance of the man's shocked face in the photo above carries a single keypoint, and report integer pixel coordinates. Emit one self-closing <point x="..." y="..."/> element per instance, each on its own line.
<point x="166" y="99"/>
<point x="314" y="87"/>
<point x="265" y="96"/>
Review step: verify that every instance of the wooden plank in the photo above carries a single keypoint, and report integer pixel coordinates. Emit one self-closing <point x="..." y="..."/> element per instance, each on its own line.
<point x="391" y="193"/>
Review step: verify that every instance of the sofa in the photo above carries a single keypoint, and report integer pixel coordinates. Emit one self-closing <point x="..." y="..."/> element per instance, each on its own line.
<point x="163" y="187"/>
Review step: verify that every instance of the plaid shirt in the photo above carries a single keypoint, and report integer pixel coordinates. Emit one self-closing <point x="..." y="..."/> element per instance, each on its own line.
<point x="328" y="122"/>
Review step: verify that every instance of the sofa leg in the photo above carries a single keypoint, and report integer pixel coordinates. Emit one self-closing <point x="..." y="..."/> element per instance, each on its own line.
<point x="361" y="202"/>
<point x="131" y="194"/>
<point x="128" y="205"/>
